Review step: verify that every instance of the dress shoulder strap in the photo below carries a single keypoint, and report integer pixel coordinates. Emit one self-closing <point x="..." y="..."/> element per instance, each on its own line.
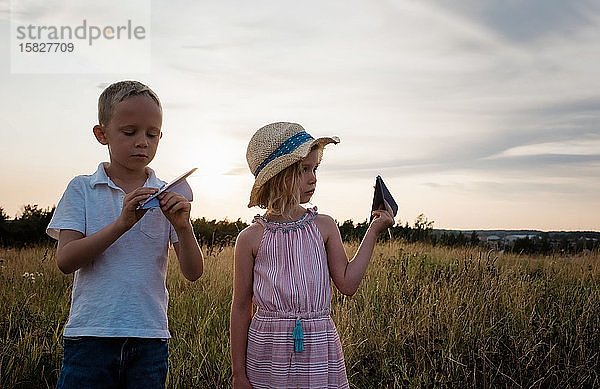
<point x="260" y="220"/>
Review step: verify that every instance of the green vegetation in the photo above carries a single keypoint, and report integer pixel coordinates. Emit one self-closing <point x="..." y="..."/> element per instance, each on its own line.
<point x="425" y="316"/>
<point x="28" y="229"/>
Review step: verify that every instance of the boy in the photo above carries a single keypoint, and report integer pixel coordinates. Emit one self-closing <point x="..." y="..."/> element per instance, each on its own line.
<point x="117" y="331"/>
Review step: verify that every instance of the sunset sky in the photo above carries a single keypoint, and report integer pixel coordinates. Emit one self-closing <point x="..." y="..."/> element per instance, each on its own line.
<point x="480" y="114"/>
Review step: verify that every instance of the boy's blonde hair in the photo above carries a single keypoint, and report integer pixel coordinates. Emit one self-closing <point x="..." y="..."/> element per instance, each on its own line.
<point x="281" y="194"/>
<point x="119" y="91"/>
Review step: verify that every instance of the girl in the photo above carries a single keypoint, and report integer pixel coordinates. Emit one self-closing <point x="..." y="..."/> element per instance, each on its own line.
<point x="283" y="265"/>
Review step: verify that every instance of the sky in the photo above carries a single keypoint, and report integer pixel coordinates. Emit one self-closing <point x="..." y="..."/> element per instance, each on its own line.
<point x="479" y="114"/>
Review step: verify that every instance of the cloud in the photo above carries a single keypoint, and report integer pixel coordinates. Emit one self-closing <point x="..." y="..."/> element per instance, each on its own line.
<point x="179" y="105"/>
<point x="584" y="110"/>
<point x="4" y="10"/>
<point x="587" y="145"/>
<point x="446" y="87"/>
<point x="516" y="189"/>
<point x="237" y="171"/>
<point x="55" y="12"/>
<point x="545" y="165"/>
<point x="472" y="96"/>
<point x="526" y="22"/>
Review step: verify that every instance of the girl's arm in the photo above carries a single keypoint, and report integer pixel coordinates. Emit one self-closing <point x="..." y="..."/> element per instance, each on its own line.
<point x="176" y="209"/>
<point x="241" y="305"/>
<point x="76" y="250"/>
<point x="346" y="275"/>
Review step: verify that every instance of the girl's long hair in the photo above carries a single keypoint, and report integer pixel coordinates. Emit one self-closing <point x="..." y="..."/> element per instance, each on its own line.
<point x="281" y="194"/>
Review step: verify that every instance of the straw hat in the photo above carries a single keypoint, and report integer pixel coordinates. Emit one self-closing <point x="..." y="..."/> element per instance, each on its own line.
<point x="276" y="146"/>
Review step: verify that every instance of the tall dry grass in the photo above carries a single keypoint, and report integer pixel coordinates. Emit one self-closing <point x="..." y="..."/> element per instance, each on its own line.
<point x="424" y="317"/>
<point x="440" y="317"/>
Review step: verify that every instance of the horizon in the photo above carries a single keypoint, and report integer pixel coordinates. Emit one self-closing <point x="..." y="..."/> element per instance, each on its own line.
<point x="356" y="222"/>
<point x="475" y="114"/>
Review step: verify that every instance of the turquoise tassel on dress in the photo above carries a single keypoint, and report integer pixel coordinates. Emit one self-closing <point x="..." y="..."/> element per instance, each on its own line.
<point x="298" y="336"/>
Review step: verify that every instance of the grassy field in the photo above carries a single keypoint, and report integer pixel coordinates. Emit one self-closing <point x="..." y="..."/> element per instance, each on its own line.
<point x="423" y="317"/>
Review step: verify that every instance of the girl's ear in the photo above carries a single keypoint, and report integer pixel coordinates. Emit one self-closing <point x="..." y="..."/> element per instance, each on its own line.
<point x="100" y="134"/>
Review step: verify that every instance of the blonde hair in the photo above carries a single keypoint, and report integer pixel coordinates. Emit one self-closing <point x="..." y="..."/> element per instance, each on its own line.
<point x="119" y="91"/>
<point x="281" y="194"/>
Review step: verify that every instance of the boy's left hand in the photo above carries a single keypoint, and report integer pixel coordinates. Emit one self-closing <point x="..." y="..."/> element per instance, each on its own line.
<point x="176" y="209"/>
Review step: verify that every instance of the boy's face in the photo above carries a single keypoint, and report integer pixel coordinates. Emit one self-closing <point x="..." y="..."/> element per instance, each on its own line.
<point x="308" y="177"/>
<point x="133" y="132"/>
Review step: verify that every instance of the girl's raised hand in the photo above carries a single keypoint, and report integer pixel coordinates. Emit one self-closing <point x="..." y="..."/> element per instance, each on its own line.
<point x="382" y="220"/>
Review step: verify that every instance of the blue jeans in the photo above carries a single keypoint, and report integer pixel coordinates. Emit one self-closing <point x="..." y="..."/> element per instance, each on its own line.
<point x="91" y="362"/>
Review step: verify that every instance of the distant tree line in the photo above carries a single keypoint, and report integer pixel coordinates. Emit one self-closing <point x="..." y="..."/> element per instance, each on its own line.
<point x="215" y="235"/>
<point x="29" y="228"/>
<point x="420" y="231"/>
<point x="544" y="244"/>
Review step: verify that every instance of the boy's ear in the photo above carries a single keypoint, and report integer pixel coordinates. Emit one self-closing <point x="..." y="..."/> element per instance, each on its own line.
<point x="100" y="134"/>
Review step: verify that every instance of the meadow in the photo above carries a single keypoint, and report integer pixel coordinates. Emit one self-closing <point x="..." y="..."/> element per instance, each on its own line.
<point x="424" y="316"/>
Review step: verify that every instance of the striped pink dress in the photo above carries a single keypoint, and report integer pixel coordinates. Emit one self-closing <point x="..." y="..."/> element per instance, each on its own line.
<point x="291" y="282"/>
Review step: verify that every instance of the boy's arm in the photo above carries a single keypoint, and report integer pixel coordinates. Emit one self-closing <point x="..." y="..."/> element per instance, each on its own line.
<point x="176" y="209"/>
<point x="76" y="250"/>
<point x="346" y="275"/>
<point x="241" y="304"/>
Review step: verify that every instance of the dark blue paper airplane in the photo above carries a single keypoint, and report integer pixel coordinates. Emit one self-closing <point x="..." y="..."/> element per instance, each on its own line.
<point x="382" y="198"/>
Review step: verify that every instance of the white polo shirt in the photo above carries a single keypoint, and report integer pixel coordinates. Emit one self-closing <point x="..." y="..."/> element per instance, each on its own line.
<point x="122" y="292"/>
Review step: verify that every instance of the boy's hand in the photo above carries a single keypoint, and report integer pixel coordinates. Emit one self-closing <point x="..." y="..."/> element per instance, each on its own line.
<point x="130" y="213"/>
<point x="176" y="209"/>
<point x="382" y="220"/>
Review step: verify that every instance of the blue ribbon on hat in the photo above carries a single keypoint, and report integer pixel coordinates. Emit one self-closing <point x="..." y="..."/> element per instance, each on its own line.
<point x="290" y="144"/>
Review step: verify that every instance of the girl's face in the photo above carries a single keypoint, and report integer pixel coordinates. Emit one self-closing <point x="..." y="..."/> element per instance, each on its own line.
<point x="308" y="176"/>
